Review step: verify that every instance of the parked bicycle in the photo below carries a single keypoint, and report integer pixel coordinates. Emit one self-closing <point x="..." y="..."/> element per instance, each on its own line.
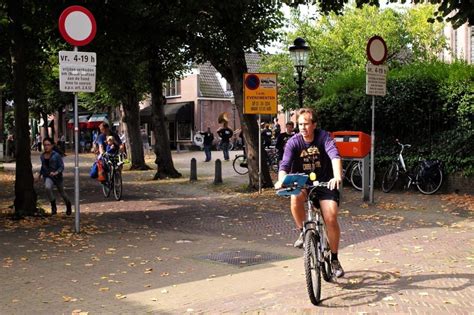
<point x="240" y="164"/>
<point x="427" y="175"/>
<point x="352" y="173"/>
<point x="317" y="253"/>
<point x="113" y="180"/>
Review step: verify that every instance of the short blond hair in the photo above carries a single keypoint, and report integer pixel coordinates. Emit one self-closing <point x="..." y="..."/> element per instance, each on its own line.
<point x="110" y="138"/>
<point x="306" y="110"/>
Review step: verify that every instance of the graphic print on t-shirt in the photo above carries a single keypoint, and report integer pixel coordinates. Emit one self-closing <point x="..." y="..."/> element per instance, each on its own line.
<point x="311" y="159"/>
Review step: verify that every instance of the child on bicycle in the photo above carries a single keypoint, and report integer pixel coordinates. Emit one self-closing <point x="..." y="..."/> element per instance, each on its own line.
<point x="313" y="150"/>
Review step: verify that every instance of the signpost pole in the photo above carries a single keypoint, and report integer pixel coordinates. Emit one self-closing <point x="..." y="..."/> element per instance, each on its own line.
<point x="372" y="153"/>
<point x="259" y="154"/>
<point x="76" y="162"/>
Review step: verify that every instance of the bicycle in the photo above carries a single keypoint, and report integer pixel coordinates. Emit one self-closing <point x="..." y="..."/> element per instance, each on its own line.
<point x="240" y="164"/>
<point x="427" y="175"/>
<point x="317" y="254"/>
<point x="353" y="173"/>
<point x="113" y="181"/>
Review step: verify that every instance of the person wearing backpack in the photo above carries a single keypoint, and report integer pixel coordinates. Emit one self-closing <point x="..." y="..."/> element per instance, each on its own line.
<point x="52" y="167"/>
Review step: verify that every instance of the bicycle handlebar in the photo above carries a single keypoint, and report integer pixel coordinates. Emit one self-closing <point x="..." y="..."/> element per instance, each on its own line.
<point x="293" y="184"/>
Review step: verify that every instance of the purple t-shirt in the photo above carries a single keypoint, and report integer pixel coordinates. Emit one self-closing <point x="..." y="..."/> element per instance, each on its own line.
<point x="316" y="156"/>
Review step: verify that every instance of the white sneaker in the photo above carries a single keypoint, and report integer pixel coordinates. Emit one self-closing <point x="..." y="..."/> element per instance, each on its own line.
<point x="299" y="242"/>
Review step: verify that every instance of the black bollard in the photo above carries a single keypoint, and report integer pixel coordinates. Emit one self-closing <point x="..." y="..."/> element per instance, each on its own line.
<point x="193" y="176"/>
<point x="218" y="174"/>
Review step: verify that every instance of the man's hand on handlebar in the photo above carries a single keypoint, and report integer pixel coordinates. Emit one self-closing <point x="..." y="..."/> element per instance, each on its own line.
<point x="279" y="184"/>
<point x="334" y="183"/>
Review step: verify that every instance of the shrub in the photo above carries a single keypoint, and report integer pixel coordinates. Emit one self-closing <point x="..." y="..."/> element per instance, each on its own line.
<point x="429" y="105"/>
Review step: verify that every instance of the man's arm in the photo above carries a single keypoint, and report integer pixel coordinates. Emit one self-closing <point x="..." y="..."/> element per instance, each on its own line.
<point x="281" y="178"/>
<point x="335" y="182"/>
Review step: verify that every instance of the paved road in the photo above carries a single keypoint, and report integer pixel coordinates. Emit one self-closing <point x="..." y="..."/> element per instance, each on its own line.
<point x="173" y="247"/>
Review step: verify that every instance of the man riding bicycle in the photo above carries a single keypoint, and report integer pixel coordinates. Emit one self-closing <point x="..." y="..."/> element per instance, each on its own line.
<point x="313" y="150"/>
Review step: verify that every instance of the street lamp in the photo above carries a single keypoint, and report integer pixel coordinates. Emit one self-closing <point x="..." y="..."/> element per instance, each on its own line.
<point x="299" y="53"/>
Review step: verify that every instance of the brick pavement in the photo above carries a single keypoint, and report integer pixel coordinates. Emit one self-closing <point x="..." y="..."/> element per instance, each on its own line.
<point x="408" y="254"/>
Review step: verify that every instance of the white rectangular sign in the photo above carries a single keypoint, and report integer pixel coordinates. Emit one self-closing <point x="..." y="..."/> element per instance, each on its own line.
<point x="76" y="78"/>
<point x="78" y="58"/>
<point x="376" y="80"/>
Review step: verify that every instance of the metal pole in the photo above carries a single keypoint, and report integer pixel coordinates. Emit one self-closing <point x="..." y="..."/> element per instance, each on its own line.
<point x="300" y="86"/>
<point x="259" y="154"/>
<point x="76" y="162"/>
<point x="372" y="152"/>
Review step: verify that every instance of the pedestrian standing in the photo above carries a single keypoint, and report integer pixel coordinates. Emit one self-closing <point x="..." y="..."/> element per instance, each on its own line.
<point x="123" y="138"/>
<point x="225" y="133"/>
<point x="146" y="144"/>
<point x="208" y="139"/>
<point x="38" y="142"/>
<point x="266" y="136"/>
<point x="52" y="168"/>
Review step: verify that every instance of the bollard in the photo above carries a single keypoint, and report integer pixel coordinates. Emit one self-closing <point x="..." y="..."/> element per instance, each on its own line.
<point x="193" y="176"/>
<point x="218" y="173"/>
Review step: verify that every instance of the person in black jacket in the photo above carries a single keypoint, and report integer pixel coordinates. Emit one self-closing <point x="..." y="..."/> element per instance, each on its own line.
<point x="225" y="133"/>
<point x="283" y="138"/>
<point x="208" y="139"/>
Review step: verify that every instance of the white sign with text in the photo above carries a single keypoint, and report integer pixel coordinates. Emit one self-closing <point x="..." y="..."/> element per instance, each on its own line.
<point x="76" y="78"/>
<point x="376" y="80"/>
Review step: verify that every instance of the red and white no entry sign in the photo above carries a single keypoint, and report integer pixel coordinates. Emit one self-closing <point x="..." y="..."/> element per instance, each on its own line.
<point x="77" y="25"/>
<point x="376" y="50"/>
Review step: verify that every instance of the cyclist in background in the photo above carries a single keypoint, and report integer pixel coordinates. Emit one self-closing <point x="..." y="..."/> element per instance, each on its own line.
<point x="102" y="138"/>
<point x="313" y="150"/>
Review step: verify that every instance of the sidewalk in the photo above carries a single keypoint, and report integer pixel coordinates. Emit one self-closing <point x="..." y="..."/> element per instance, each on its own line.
<point x="158" y="251"/>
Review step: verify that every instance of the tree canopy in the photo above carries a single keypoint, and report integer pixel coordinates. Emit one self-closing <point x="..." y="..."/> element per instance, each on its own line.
<point x="456" y="12"/>
<point x="338" y="44"/>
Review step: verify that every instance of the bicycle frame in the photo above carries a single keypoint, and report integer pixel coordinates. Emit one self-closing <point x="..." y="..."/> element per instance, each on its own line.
<point x="400" y="160"/>
<point x="315" y="221"/>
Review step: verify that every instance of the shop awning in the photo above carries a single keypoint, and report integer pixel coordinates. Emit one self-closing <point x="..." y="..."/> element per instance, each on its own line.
<point x="82" y="122"/>
<point x="183" y="112"/>
<point x="179" y="111"/>
<point x="95" y="120"/>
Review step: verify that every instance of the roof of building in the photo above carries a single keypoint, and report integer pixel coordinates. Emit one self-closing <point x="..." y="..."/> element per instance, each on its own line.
<point x="209" y="85"/>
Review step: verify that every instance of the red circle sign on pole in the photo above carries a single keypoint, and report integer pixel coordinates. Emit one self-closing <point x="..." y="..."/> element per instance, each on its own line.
<point x="77" y="25"/>
<point x="376" y="50"/>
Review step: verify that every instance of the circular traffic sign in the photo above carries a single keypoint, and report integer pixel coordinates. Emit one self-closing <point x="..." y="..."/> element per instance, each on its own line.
<point x="376" y="50"/>
<point x="252" y="82"/>
<point x="77" y="25"/>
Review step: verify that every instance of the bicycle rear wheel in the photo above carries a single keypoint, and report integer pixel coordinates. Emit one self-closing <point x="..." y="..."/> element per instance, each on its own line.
<point x="311" y="267"/>
<point x="429" y="182"/>
<point x="107" y="185"/>
<point x="390" y="178"/>
<point x="240" y="164"/>
<point x="356" y="176"/>
<point x="117" y="185"/>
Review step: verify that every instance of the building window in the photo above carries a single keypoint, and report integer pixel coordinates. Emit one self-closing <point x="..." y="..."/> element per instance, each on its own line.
<point x="172" y="88"/>
<point x="184" y="131"/>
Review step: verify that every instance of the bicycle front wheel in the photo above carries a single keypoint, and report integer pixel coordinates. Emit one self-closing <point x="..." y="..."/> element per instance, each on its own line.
<point x="311" y="266"/>
<point x="117" y="185"/>
<point x="240" y="164"/>
<point x="106" y="185"/>
<point x="430" y="181"/>
<point x="356" y="176"/>
<point x="390" y="178"/>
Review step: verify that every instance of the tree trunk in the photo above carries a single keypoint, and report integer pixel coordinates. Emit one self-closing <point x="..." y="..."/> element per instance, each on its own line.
<point x="164" y="160"/>
<point x="131" y="119"/>
<point x="248" y="122"/>
<point x="25" y="195"/>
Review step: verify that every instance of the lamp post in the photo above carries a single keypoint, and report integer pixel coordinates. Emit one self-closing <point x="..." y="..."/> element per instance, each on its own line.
<point x="299" y="53"/>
